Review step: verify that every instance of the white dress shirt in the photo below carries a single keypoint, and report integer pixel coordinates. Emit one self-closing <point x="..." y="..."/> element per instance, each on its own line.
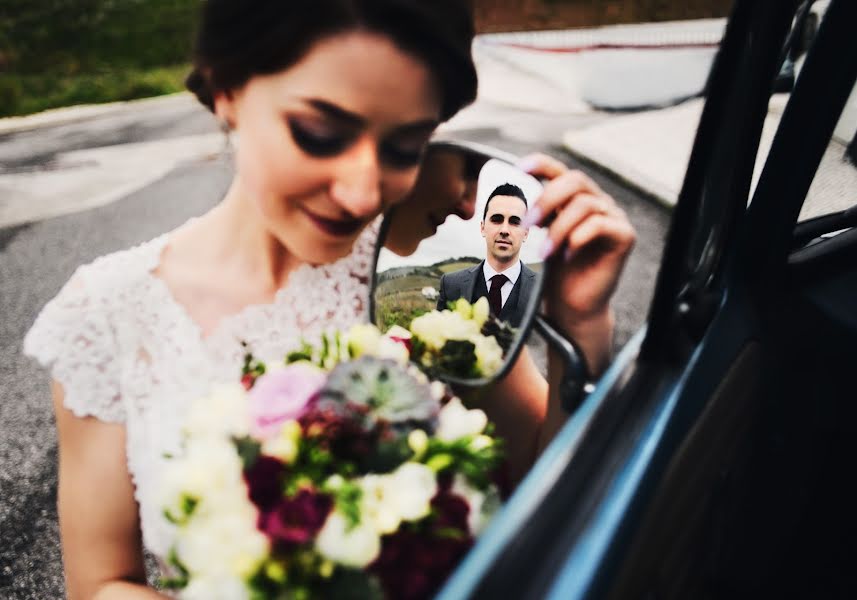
<point x="512" y="274"/>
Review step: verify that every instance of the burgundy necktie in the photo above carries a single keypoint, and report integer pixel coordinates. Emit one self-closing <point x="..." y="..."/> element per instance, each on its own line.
<point x="495" y="300"/>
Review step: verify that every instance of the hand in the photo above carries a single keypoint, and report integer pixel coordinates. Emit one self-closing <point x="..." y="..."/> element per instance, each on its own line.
<point x="589" y="240"/>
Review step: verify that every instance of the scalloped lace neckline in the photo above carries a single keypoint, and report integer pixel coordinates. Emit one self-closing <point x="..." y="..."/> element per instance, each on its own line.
<point x="228" y="322"/>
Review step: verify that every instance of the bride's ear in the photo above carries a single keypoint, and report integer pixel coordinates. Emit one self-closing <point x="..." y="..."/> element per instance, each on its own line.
<point x="224" y="108"/>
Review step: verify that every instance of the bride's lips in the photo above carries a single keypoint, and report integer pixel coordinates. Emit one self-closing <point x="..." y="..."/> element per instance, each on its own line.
<point x="335" y="227"/>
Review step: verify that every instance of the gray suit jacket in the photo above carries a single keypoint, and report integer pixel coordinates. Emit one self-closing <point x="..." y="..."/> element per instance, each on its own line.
<point x="463" y="284"/>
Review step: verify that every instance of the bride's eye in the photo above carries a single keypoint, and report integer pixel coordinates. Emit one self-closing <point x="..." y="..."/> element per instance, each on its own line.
<point x="317" y="140"/>
<point x="401" y="156"/>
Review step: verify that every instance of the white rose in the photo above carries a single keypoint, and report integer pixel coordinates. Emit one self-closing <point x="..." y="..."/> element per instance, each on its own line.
<point x="215" y="587"/>
<point x="363" y="338"/>
<point x="355" y="547"/>
<point x="455" y="421"/>
<point x="222" y="413"/>
<point x="226" y="542"/>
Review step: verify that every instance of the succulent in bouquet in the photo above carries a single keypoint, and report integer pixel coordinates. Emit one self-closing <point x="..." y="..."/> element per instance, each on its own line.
<point x="342" y="471"/>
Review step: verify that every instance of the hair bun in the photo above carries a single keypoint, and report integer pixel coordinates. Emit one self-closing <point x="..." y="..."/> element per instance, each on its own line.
<point x="197" y="83"/>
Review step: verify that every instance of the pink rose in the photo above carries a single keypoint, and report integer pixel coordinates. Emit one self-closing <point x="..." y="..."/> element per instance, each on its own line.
<point x="282" y="396"/>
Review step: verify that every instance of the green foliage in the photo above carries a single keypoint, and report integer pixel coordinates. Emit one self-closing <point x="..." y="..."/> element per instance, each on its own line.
<point x="477" y="465"/>
<point x="182" y="577"/>
<point x="248" y="449"/>
<point x="30" y="93"/>
<point x="63" y="52"/>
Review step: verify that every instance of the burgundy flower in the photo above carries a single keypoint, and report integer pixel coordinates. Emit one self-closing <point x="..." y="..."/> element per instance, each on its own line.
<point x="451" y="512"/>
<point x="414" y="564"/>
<point x="265" y="481"/>
<point x="297" y="519"/>
<point x="340" y="429"/>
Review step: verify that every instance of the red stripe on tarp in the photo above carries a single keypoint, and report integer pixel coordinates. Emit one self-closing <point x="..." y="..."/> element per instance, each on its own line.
<point x="575" y="49"/>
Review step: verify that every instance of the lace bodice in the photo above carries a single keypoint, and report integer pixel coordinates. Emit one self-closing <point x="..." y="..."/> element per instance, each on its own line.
<point x="125" y="351"/>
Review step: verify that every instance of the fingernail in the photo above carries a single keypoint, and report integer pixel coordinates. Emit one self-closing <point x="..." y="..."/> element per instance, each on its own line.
<point x="527" y="164"/>
<point x="546" y="248"/>
<point x="533" y="216"/>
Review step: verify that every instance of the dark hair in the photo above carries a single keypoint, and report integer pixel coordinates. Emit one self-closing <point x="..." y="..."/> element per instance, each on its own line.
<point x="236" y="40"/>
<point x="505" y="189"/>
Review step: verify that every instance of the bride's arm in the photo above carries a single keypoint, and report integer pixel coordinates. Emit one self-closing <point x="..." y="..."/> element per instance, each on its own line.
<point x="98" y="515"/>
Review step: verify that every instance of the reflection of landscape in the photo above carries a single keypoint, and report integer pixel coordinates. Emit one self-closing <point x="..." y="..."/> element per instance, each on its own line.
<point x="404" y="293"/>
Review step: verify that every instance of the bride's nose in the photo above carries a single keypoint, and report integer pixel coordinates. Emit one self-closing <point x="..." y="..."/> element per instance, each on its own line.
<point x="356" y="184"/>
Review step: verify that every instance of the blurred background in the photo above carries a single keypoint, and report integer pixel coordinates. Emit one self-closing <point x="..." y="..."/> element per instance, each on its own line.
<point x="57" y="53"/>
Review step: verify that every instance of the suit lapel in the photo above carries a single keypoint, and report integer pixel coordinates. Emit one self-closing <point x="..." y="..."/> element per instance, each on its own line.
<point x="469" y="285"/>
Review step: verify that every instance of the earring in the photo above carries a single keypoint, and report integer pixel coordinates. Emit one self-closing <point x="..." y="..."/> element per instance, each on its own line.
<point x="226" y="129"/>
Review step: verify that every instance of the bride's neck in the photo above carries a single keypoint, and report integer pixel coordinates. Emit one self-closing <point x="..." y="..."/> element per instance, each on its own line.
<point x="237" y="240"/>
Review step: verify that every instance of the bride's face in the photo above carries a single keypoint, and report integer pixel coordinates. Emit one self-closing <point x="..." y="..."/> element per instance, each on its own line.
<point x="329" y="143"/>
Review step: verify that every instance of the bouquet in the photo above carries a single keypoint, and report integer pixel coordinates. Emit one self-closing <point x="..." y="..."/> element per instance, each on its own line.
<point x="465" y="340"/>
<point x="342" y="472"/>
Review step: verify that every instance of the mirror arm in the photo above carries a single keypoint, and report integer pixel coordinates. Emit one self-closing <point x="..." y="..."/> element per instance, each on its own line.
<point x="575" y="383"/>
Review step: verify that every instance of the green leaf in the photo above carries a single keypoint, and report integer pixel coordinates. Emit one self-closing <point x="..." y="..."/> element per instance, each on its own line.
<point x="248" y="449"/>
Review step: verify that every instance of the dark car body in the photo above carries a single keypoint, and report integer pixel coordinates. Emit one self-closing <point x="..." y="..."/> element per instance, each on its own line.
<point x="714" y="458"/>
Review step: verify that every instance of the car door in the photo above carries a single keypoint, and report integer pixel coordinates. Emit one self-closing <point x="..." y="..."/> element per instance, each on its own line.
<point x="702" y="465"/>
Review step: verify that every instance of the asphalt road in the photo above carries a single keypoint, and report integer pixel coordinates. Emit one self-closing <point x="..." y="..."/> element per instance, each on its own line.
<point x="37" y="258"/>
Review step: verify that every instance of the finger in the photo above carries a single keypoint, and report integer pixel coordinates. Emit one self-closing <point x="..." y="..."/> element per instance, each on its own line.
<point x="542" y="165"/>
<point x="582" y="206"/>
<point x="615" y="233"/>
<point x="559" y="192"/>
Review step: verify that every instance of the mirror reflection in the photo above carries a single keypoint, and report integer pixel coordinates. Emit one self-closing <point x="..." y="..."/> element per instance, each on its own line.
<point x="459" y="244"/>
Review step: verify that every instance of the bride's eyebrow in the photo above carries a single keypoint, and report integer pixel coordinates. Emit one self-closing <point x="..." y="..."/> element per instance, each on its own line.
<point x="337" y="113"/>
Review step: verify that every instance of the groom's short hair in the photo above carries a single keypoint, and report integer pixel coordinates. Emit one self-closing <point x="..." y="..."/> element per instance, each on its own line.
<point x="505" y="189"/>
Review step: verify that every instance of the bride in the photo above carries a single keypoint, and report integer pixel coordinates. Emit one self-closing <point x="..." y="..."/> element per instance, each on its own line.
<point x="332" y="103"/>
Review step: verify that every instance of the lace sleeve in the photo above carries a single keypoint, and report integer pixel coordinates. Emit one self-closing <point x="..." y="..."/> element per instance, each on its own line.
<point x="73" y="338"/>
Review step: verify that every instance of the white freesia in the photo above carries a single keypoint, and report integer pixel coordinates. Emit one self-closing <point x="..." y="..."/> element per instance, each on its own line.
<point x="208" y="471"/>
<point x="355" y="547"/>
<point x="403" y="495"/>
<point x="436" y="327"/>
<point x="397" y="331"/>
<point x="489" y="354"/>
<point x="438" y="390"/>
<point x="455" y="421"/>
<point x="394" y="350"/>
<point x="464" y="308"/>
<point x="222" y="413"/>
<point x="413" y="487"/>
<point x="363" y="338"/>
<point x="482" y="505"/>
<point x="481" y="310"/>
<point x="285" y="444"/>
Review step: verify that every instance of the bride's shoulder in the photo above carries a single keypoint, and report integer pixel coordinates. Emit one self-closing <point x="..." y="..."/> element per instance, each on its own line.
<point x="118" y="273"/>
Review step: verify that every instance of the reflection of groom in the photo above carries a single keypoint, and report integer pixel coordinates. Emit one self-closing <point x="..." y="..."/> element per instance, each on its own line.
<point x="502" y="277"/>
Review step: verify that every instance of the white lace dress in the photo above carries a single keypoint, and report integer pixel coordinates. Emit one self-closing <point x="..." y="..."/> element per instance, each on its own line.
<point x="126" y="352"/>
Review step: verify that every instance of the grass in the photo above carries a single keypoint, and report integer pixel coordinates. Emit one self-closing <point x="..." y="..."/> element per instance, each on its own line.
<point x="25" y="94"/>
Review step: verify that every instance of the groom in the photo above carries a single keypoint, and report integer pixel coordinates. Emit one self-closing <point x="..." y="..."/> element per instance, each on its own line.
<point x="501" y="277"/>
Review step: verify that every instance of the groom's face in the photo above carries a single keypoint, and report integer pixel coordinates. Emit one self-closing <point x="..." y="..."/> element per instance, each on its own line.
<point x="503" y="229"/>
